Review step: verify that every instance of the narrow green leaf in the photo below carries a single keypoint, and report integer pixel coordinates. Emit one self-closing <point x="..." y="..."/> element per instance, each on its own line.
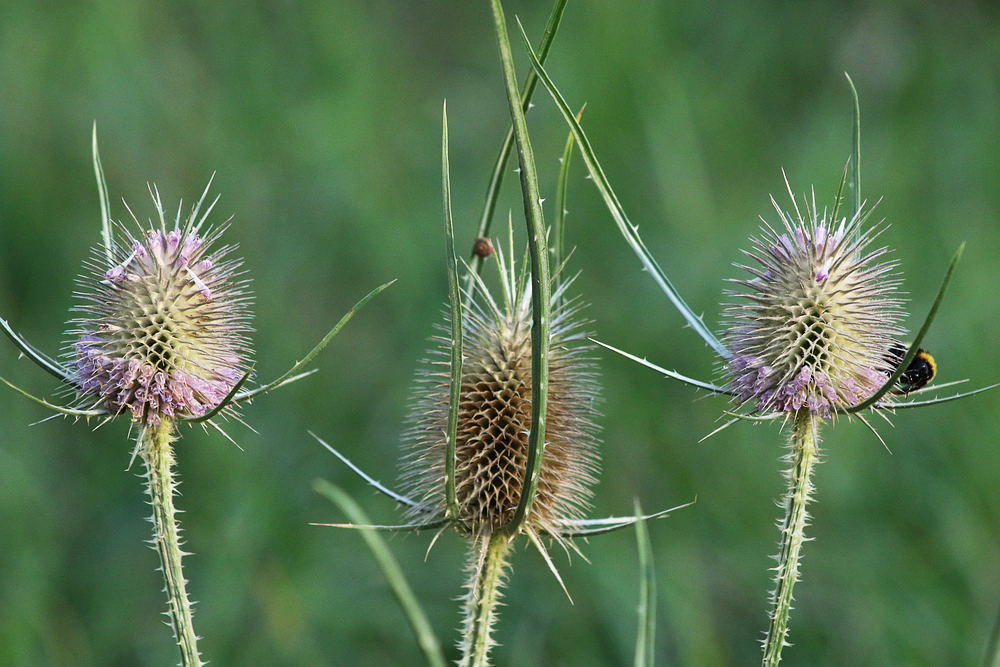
<point x="645" y="640"/>
<point x="756" y="418"/>
<point x="939" y="400"/>
<point x="915" y="345"/>
<point x="394" y="576"/>
<point x="589" y="527"/>
<point x="287" y="377"/>
<point x="102" y="190"/>
<point x="69" y="412"/>
<point x="855" y="150"/>
<point x="628" y="230"/>
<point x="559" y="223"/>
<point x="541" y="286"/>
<point x="834" y="215"/>
<point x="378" y="486"/>
<point x="44" y="361"/>
<point x="992" y="658"/>
<point x="455" y="296"/>
<point x="715" y="389"/>
<point x="496" y="179"/>
<point x="414" y="527"/>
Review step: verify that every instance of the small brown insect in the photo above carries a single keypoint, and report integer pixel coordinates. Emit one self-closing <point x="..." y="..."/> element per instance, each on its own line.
<point x="482" y="248"/>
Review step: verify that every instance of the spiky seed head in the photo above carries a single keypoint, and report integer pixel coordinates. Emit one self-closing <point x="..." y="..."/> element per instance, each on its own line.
<point x="495" y="416"/>
<point x="819" y="317"/>
<point x="163" y="326"/>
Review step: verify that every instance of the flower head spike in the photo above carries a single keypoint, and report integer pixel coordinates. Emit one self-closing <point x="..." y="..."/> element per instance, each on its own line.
<point x="495" y="415"/>
<point x="162" y="331"/>
<point x="821" y="318"/>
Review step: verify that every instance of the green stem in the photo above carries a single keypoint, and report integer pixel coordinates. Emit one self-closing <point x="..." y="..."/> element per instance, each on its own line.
<point x="455" y="296"/>
<point x="484" y="593"/>
<point x="803" y="445"/>
<point x="157" y="454"/>
<point x="541" y="287"/>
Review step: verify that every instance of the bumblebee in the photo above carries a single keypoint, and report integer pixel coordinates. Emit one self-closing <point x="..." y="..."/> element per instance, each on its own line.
<point x="920" y="371"/>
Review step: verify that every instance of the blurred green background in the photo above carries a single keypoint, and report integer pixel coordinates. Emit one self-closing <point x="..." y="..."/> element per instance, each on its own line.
<point x="322" y="121"/>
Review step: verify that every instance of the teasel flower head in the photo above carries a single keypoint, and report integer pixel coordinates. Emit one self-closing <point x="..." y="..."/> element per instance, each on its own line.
<point x="163" y="321"/>
<point x="161" y="334"/>
<point x="819" y="316"/>
<point x="494" y="416"/>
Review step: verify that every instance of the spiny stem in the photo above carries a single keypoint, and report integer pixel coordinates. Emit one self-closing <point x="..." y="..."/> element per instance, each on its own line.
<point x="158" y="455"/>
<point x="484" y="593"/>
<point x="802" y="456"/>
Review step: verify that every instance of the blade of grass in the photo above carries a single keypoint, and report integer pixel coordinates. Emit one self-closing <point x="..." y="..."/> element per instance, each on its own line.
<point x="645" y="640"/>
<point x="588" y="527"/>
<point x="855" y="150"/>
<point x="69" y="412"/>
<point x="992" y="658"/>
<point x="939" y="400"/>
<point x="375" y="484"/>
<point x="44" y="362"/>
<point x="102" y="189"/>
<point x="394" y="576"/>
<point x="715" y="389"/>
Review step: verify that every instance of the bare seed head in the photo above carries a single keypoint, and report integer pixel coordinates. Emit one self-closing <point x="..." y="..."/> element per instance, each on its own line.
<point x="821" y="316"/>
<point x="163" y="330"/>
<point x="495" y="417"/>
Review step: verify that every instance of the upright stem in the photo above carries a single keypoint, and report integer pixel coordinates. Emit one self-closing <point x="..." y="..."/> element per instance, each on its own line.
<point x="541" y="286"/>
<point x="158" y="455"/>
<point x="801" y="457"/>
<point x="484" y="593"/>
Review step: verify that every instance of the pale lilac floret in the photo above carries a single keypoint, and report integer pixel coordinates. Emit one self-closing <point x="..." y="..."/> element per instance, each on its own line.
<point x="147" y="392"/>
<point x="154" y="346"/>
<point x="819" y="320"/>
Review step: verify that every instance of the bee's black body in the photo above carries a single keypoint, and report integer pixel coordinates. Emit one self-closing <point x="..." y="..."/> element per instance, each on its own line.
<point x="920" y="371"/>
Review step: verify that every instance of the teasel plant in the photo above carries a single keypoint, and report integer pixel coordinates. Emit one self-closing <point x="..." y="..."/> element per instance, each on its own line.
<point x="814" y="335"/>
<point x="161" y="338"/>
<point x="503" y="436"/>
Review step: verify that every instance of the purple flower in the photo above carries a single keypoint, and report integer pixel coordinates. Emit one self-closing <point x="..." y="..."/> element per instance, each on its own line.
<point x="163" y="330"/>
<point x="820" y="315"/>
